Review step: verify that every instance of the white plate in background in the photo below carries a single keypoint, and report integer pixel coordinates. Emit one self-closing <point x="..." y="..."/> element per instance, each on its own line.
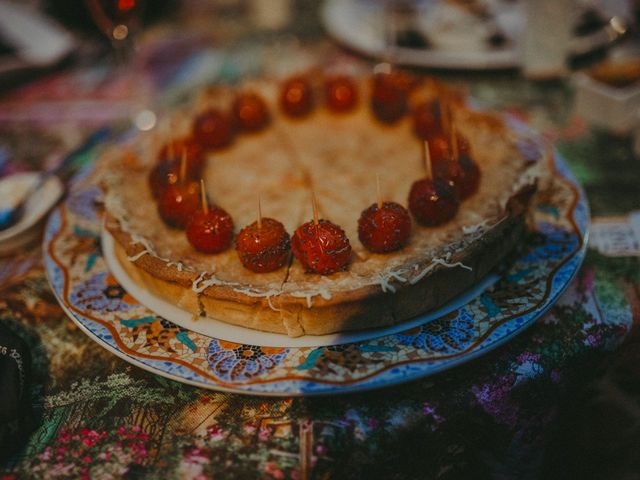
<point x="360" y="25"/>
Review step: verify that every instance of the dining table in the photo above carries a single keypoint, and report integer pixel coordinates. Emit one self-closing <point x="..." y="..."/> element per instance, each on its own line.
<point x="559" y="400"/>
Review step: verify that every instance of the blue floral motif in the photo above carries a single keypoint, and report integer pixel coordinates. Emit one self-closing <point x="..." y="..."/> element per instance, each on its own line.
<point x="553" y="243"/>
<point x="492" y="309"/>
<point x="449" y="334"/>
<point x="82" y="203"/>
<point x="101" y="293"/>
<point x="236" y="362"/>
<point x="529" y="148"/>
<point x="88" y="243"/>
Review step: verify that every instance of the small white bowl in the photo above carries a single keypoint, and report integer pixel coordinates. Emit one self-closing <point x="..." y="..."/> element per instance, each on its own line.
<point x="36" y="208"/>
<point x="602" y="105"/>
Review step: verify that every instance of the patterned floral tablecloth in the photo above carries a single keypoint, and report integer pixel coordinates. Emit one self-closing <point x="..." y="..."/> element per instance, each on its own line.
<point x="533" y="408"/>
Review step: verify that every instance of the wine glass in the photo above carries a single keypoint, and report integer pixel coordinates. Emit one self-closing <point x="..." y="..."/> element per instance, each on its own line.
<point x="118" y="20"/>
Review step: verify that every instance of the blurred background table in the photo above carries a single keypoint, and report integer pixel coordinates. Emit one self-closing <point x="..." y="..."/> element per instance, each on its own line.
<point x="561" y="400"/>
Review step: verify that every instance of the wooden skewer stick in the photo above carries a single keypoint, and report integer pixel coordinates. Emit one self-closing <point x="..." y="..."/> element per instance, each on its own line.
<point x="390" y="35"/>
<point x="172" y="139"/>
<point x="378" y="191"/>
<point x="314" y="203"/>
<point x="442" y="99"/>
<point x="171" y="149"/>
<point x="450" y="114"/>
<point x="389" y="38"/>
<point x="316" y="222"/>
<point x="203" y="195"/>
<point x="259" y="212"/>
<point x="454" y="143"/>
<point x="441" y="111"/>
<point x="183" y="166"/>
<point x="426" y="158"/>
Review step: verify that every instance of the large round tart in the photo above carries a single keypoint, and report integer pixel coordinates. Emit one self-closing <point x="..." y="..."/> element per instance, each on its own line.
<point x="337" y="157"/>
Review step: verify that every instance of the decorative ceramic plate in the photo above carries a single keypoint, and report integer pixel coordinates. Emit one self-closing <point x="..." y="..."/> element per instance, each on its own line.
<point x="457" y="41"/>
<point x="101" y="307"/>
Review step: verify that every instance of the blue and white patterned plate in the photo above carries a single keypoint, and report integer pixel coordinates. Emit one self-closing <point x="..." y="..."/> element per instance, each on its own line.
<point x="104" y="310"/>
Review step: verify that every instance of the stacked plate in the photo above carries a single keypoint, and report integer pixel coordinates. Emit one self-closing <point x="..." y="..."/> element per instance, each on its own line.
<point x="146" y="331"/>
<point x="13" y="189"/>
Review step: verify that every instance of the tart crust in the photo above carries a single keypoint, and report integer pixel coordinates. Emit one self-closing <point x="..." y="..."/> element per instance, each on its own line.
<point x="360" y="309"/>
<point x="284" y="164"/>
